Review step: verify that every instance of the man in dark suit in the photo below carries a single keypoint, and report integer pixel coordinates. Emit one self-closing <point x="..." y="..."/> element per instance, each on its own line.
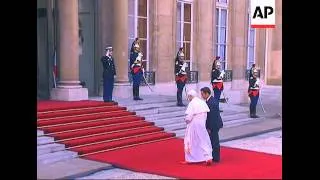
<point x="214" y="122"/>
<point x="109" y="72"/>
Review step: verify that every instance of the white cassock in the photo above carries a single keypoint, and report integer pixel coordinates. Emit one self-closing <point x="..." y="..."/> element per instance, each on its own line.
<point x="196" y="137"/>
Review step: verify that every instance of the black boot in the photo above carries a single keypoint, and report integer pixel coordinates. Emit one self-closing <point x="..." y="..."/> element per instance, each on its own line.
<point x="180" y="100"/>
<point x="255" y="112"/>
<point x="134" y="89"/>
<point x="251" y="112"/>
<point x="138" y="96"/>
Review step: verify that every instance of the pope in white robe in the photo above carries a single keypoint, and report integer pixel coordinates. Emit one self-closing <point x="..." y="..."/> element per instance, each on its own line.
<point x="197" y="144"/>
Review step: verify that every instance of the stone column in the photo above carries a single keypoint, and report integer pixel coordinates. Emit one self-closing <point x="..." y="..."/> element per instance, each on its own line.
<point x="163" y="45"/>
<point x="239" y="86"/>
<point x="120" y="48"/>
<point x="205" y="18"/>
<point x="68" y="88"/>
<point x="274" y="62"/>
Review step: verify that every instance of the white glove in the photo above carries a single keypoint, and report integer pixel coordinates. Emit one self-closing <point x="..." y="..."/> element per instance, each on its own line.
<point x="222" y="74"/>
<point x="143" y="70"/>
<point x="258" y="82"/>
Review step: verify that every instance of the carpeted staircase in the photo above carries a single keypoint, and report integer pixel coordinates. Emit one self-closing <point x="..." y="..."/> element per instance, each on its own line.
<point x="70" y="129"/>
<point x="162" y="110"/>
<point x="73" y="129"/>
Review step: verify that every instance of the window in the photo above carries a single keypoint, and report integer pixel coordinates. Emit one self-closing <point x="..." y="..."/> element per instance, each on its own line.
<point x="184" y="30"/>
<point x="138" y="23"/>
<point x="251" y="44"/>
<point x="221" y="31"/>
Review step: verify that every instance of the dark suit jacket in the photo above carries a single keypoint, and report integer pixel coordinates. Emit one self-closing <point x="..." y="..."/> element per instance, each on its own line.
<point x="214" y="121"/>
<point x="109" y="69"/>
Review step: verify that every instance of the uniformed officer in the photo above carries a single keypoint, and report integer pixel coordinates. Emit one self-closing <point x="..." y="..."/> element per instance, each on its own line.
<point x="217" y="79"/>
<point x="109" y="72"/>
<point x="181" y="75"/>
<point x="251" y="71"/>
<point x="136" y="41"/>
<point x="253" y="92"/>
<point x="137" y="70"/>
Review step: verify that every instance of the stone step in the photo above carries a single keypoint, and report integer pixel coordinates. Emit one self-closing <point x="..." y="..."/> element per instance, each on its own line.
<point x="40" y="133"/>
<point x="154" y="117"/>
<point x="228" y="124"/>
<point x="44" y="140"/>
<point x="171" y="109"/>
<point x="130" y="102"/>
<point x="49" y="148"/>
<point x="56" y="157"/>
<point x="150" y="106"/>
<point x="254" y="127"/>
<point x="154" y="111"/>
<point x="242" y="122"/>
<point x="231" y="117"/>
<point x="163" y="122"/>
<point x="179" y="133"/>
<point x="175" y="126"/>
<point x="71" y="169"/>
<point x="150" y="100"/>
<point x="146" y="112"/>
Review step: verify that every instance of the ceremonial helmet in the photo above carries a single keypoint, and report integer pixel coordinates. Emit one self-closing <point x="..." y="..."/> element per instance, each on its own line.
<point x="217" y="63"/>
<point x="136" y="46"/>
<point x="180" y="53"/>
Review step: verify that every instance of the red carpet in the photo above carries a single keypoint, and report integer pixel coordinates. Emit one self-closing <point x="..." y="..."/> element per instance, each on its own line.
<point x="60" y="113"/>
<point x="163" y="158"/>
<point x="92" y="127"/>
<point x="63" y="120"/>
<point x="110" y="136"/>
<point x="58" y="105"/>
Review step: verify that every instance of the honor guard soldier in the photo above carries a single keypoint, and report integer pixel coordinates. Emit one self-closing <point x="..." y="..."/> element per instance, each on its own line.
<point x="217" y="79"/>
<point x="136" y="41"/>
<point x="251" y="71"/>
<point x="109" y="72"/>
<point x="253" y="92"/>
<point x="137" y="70"/>
<point x="181" y="75"/>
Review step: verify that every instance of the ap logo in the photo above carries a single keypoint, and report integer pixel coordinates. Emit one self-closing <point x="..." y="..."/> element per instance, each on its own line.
<point x="262" y="13"/>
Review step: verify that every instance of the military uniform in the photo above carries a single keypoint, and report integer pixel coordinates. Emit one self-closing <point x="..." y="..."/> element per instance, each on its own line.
<point x="217" y="79"/>
<point x="253" y="93"/>
<point x="109" y="71"/>
<point x="181" y="76"/>
<point x="251" y="71"/>
<point x="136" y="70"/>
